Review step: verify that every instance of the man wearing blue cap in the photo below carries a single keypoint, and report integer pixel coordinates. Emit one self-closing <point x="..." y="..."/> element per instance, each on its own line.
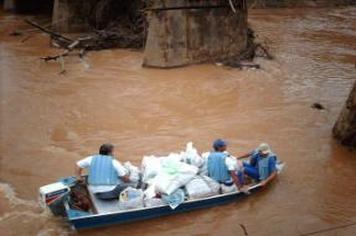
<point x="217" y="167"/>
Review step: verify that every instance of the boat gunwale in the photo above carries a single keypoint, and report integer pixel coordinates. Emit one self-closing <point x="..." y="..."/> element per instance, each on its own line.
<point x="153" y="207"/>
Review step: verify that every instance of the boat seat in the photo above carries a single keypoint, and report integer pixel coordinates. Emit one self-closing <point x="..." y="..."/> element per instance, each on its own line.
<point x="103" y="206"/>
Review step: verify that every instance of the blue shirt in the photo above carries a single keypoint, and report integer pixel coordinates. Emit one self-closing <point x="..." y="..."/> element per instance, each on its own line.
<point x="265" y="168"/>
<point x="102" y="171"/>
<point x="217" y="168"/>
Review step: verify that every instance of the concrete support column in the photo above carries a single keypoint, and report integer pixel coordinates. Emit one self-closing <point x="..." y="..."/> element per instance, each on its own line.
<point x="9" y="5"/>
<point x="71" y="15"/>
<point x="183" y="32"/>
<point x="345" y="127"/>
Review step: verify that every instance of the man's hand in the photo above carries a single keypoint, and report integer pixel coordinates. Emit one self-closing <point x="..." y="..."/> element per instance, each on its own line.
<point x="126" y="178"/>
<point x="80" y="179"/>
<point x="263" y="183"/>
<point x="78" y="174"/>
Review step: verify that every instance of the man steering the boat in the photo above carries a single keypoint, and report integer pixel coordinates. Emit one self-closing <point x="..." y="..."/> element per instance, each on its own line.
<point x="221" y="167"/>
<point x="262" y="166"/>
<point x="104" y="172"/>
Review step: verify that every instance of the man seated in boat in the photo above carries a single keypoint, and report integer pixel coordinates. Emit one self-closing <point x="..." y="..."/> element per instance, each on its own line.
<point x="263" y="164"/>
<point x="220" y="166"/>
<point x="104" y="172"/>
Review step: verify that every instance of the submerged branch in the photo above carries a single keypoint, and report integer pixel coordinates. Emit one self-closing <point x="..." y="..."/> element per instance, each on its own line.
<point x="50" y="32"/>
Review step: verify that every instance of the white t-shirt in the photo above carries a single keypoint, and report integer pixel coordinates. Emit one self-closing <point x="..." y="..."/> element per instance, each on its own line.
<point x="121" y="171"/>
<point x="233" y="164"/>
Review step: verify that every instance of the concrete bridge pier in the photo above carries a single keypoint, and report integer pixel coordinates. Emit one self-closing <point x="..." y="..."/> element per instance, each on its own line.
<point x="345" y="127"/>
<point x="71" y="15"/>
<point x="9" y="5"/>
<point x="28" y="6"/>
<point x="182" y="32"/>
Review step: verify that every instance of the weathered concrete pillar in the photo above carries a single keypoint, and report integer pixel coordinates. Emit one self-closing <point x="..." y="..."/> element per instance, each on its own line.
<point x="182" y="32"/>
<point x="71" y="15"/>
<point x="28" y="6"/>
<point x="345" y="127"/>
<point x="9" y="5"/>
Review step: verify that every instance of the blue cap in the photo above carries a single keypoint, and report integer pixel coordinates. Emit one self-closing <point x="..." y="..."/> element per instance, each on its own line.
<point x="219" y="143"/>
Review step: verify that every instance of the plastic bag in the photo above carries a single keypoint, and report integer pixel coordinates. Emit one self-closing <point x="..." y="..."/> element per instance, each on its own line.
<point x="228" y="189"/>
<point x="150" y="192"/>
<point x="134" y="174"/>
<point x="174" y="199"/>
<point x="153" y="202"/>
<point x="151" y="166"/>
<point x="173" y="157"/>
<point x="191" y="156"/>
<point x="131" y="198"/>
<point x="214" y="185"/>
<point x="199" y="187"/>
<point x="203" y="170"/>
<point x="174" y="175"/>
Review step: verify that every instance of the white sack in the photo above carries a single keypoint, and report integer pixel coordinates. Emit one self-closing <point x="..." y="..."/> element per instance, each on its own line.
<point x="173" y="157"/>
<point x="214" y="185"/>
<point x="151" y="166"/>
<point x="174" y="175"/>
<point x="199" y="187"/>
<point x="203" y="170"/>
<point x="150" y="192"/>
<point x="191" y="156"/>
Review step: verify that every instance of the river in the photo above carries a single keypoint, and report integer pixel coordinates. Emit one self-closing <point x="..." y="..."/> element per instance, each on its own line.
<point x="51" y="120"/>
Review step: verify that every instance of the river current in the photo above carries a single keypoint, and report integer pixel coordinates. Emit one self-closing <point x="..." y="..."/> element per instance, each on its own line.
<point x="50" y="120"/>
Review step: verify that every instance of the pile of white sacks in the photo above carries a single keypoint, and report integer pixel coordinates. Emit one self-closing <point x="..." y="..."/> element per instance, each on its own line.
<point x="184" y="173"/>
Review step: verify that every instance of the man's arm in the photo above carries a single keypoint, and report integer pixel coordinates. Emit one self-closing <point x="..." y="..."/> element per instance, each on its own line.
<point x="244" y="156"/>
<point x="121" y="171"/>
<point x="235" y="179"/>
<point x="125" y="178"/>
<point x="78" y="172"/>
<point x="82" y="164"/>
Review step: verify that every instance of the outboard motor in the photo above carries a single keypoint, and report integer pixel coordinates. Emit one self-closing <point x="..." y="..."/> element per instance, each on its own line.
<point x="54" y="196"/>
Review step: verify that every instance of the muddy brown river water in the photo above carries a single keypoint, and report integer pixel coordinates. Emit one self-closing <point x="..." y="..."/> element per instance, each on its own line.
<point x="49" y="121"/>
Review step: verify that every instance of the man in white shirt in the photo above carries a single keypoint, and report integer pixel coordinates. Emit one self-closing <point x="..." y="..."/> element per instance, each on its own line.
<point x="104" y="172"/>
<point x="235" y="168"/>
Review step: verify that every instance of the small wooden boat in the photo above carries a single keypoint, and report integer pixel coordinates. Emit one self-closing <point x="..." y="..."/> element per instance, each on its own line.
<point x="55" y="197"/>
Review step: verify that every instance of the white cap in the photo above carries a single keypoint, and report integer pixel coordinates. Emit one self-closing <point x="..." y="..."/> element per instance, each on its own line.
<point x="264" y="148"/>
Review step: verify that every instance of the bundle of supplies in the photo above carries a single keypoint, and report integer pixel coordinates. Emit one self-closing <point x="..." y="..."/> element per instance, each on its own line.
<point x="203" y="170"/>
<point x="202" y="186"/>
<point x="173" y="175"/>
<point x="150" y="167"/>
<point x="168" y="173"/>
<point x="191" y="156"/>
